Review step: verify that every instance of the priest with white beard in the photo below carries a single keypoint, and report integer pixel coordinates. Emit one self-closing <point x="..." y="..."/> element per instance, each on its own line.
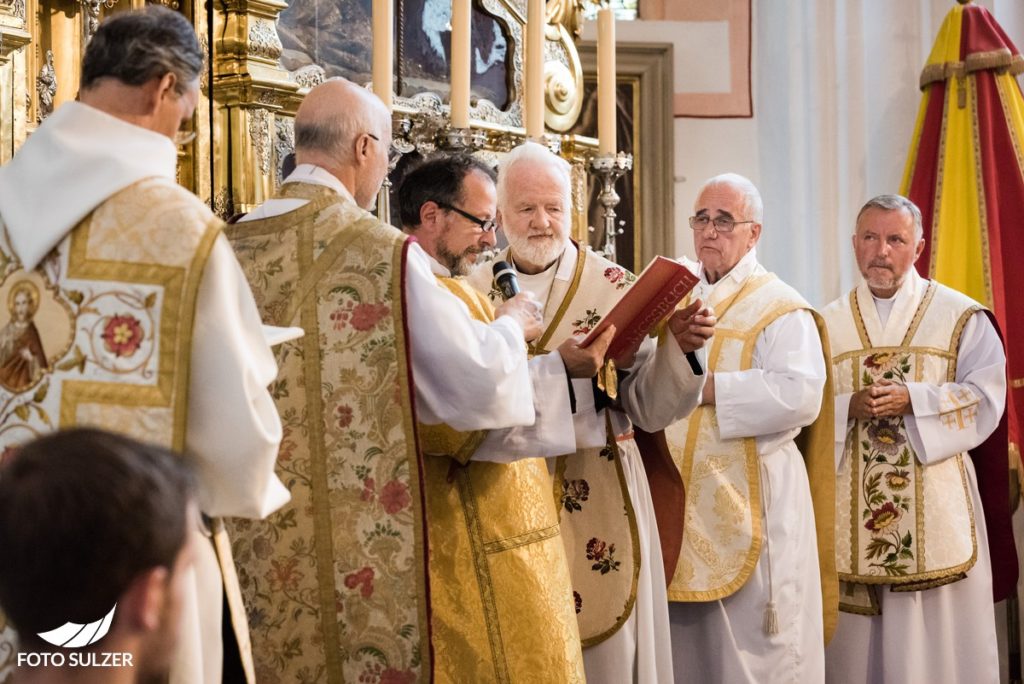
<point x="920" y="380"/>
<point x="607" y="513"/>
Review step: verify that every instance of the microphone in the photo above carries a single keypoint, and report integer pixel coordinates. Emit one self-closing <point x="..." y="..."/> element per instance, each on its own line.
<point x="691" y="358"/>
<point x="505" y="279"/>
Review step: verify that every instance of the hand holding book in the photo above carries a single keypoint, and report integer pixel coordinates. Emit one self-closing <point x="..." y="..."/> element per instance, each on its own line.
<point x="654" y="295"/>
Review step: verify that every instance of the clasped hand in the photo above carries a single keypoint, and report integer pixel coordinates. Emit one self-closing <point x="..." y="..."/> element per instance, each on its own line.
<point x="882" y="399"/>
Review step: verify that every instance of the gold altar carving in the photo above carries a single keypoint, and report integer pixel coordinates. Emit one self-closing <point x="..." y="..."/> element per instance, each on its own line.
<point x="244" y="122"/>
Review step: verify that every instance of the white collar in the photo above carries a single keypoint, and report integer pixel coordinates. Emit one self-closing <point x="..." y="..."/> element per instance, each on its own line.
<point x="318" y="175"/>
<point x="904" y="305"/>
<point x="76" y="159"/>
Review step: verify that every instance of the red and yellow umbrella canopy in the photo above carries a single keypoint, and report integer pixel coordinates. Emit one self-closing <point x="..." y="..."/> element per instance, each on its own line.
<point x="965" y="171"/>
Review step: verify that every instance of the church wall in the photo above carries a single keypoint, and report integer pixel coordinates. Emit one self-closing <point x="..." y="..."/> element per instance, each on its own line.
<point x="835" y="97"/>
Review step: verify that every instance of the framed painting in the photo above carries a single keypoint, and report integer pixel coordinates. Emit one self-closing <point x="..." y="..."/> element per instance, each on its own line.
<point x="334" y="35"/>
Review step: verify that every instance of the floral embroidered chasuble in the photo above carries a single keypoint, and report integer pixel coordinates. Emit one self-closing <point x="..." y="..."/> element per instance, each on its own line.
<point x="597" y="518"/>
<point x="899" y="522"/>
<point x="723" y="524"/>
<point x="100" y="334"/>
<point x="336" y="581"/>
<point x="501" y="597"/>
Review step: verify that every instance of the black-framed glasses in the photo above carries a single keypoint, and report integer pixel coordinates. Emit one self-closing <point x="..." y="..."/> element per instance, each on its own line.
<point x="486" y="225"/>
<point x="722" y="224"/>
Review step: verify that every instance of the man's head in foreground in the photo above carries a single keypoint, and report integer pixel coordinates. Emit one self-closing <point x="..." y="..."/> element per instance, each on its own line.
<point x="90" y="520"/>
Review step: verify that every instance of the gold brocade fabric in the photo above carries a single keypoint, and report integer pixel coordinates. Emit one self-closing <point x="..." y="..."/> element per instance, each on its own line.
<point x="501" y="597"/>
<point x="100" y="333"/>
<point x="898" y="521"/>
<point x="723" y="526"/>
<point x="596" y="513"/>
<point x="336" y="581"/>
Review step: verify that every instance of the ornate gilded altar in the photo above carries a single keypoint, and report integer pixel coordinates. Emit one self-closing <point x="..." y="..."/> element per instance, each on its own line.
<point x="261" y="61"/>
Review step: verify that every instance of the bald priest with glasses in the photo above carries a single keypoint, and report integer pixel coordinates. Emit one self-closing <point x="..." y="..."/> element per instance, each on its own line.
<point x="753" y="593"/>
<point x="350" y="569"/>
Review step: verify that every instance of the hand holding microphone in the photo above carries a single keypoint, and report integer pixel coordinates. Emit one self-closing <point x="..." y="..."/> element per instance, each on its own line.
<point x="522" y="306"/>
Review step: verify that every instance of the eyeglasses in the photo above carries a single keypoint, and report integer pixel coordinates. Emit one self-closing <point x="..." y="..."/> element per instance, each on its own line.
<point x="184" y="137"/>
<point x="486" y="225"/>
<point x="722" y="224"/>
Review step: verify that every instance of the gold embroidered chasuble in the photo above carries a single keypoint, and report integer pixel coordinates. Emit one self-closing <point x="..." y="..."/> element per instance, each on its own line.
<point x="108" y="319"/>
<point x="898" y="521"/>
<point x="597" y="518"/>
<point x="501" y="597"/>
<point x="722" y="526"/>
<point x="336" y="581"/>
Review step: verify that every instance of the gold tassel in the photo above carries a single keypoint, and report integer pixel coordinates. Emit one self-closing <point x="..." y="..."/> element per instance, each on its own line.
<point x="608" y="380"/>
<point x="771" y="619"/>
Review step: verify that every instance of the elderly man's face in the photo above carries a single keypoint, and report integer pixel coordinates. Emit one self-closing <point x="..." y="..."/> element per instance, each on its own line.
<point x="535" y="218"/>
<point x="461" y="240"/>
<point x="720" y="252"/>
<point x="886" y="249"/>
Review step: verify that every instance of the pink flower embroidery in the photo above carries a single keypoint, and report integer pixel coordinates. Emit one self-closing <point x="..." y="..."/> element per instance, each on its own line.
<point x="363" y="579"/>
<point x="365" y="316"/>
<point x="340" y="318"/>
<point x="883" y="518"/>
<point x="122" y="335"/>
<point x="283" y="575"/>
<point x="343" y="413"/>
<point x="369" y="489"/>
<point x="395" y="497"/>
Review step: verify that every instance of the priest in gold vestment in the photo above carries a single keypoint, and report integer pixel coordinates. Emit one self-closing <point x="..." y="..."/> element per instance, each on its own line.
<point x="754" y="579"/>
<point x="146" y="320"/>
<point x="602" y="493"/>
<point x="920" y="380"/>
<point x="339" y="584"/>
<point x="492" y="518"/>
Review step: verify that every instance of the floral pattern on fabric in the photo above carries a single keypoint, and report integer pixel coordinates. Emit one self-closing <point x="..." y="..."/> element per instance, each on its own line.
<point x="887" y="472"/>
<point x="619" y="277"/>
<point x="574" y="493"/>
<point x="342" y="552"/>
<point x="603" y="555"/>
<point x="586" y="323"/>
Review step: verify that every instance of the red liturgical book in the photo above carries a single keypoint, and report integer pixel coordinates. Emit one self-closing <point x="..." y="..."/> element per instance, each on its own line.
<point x="654" y="295"/>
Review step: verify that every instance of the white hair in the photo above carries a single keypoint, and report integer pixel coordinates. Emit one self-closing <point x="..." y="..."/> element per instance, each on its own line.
<point x="534" y="153"/>
<point x="895" y="203"/>
<point x="752" y="204"/>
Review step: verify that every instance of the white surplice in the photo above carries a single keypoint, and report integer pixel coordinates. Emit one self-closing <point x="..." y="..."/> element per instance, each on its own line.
<point x="233" y="430"/>
<point x="723" y="640"/>
<point x="945" y="634"/>
<point x="467" y="374"/>
<point x="660" y="389"/>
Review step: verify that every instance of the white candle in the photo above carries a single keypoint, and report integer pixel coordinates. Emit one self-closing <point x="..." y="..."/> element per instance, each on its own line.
<point x="606" y="100"/>
<point x="535" y="21"/>
<point x="383" y="49"/>
<point x="460" y="63"/>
